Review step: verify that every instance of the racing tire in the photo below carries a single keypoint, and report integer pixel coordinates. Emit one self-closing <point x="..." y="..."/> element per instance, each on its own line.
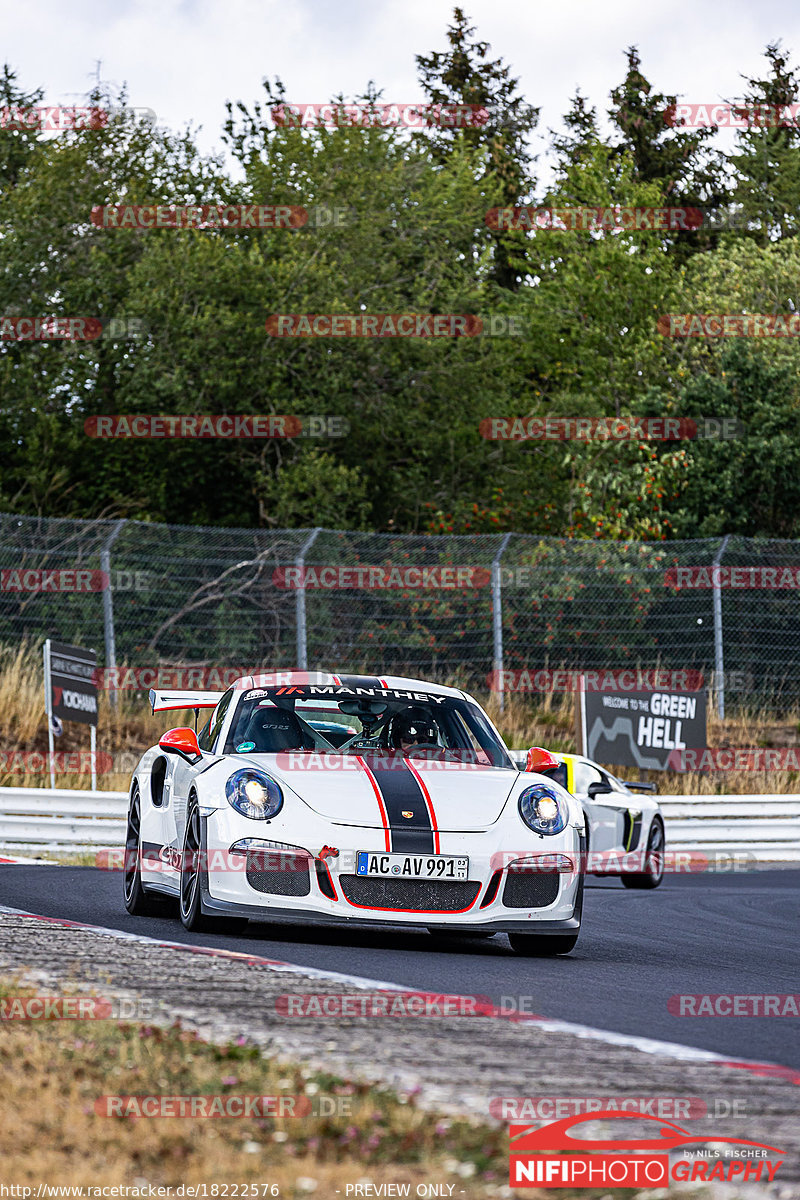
<point x="653" y="873"/>
<point x="138" y="902"/>
<point x="191" y="887"/>
<point x="542" y="945"/>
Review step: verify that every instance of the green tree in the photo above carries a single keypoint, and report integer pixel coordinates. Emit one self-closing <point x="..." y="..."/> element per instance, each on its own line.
<point x="465" y="75"/>
<point x="749" y="483"/>
<point x="683" y="163"/>
<point x="55" y="263"/>
<point x="767" y="158"/>
<point x="19" y="139"/>
<point x="580" y="135"/>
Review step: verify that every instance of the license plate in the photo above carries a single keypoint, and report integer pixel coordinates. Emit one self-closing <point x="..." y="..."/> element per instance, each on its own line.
<point x="412" y="866"/>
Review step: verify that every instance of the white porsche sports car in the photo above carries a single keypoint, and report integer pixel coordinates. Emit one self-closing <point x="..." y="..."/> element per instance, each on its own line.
<point x="624" y="832"/>
<point x="352" y="799"/>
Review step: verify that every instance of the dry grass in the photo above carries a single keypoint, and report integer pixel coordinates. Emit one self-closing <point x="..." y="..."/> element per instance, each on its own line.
<point x="55" y="1071"/>
<point x="123" y="733"/>
<point x="548" y="720"/>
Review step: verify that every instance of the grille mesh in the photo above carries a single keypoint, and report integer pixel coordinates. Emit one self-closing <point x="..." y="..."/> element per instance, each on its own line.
<point x="291" y="878"/>
<point x="419" y="895"/>
<point x="529" y="889"/>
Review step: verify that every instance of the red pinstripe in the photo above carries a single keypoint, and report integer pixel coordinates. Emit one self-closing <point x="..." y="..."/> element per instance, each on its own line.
<point x="379" y="798"/>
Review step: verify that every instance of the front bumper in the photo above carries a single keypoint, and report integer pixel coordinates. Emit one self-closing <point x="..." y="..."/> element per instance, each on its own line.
<point x="495" y="901"/>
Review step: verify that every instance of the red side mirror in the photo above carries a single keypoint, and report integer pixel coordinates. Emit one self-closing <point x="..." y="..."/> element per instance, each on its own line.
<point x="540" y="760"/>
<point x="181" y="741"/>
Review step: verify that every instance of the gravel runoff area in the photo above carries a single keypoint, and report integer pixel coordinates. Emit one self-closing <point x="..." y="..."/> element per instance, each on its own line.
<point x="455" y="1065"/>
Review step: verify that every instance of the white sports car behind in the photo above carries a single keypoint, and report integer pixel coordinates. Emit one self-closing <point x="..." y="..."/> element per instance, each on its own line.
<point x="624" y="831"/>
<point x="350" y="798"/>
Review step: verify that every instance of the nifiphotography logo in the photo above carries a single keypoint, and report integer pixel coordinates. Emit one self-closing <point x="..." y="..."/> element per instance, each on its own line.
<point x="549" y="1156"/>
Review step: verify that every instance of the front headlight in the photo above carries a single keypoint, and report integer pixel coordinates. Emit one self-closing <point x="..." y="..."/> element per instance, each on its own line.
<point x="254" y="794"/>
<point x="542" y="809"/>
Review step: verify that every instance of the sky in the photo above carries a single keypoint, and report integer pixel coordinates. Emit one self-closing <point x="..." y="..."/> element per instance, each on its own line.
<point x="185" y="58"/>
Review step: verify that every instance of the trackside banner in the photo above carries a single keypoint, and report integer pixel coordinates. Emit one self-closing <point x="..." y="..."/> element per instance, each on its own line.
<point x="644" y="729"/>
<point x="71" y="689"/>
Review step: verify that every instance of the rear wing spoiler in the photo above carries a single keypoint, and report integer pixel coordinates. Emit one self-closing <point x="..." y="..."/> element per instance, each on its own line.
<point x="164" y="701"/>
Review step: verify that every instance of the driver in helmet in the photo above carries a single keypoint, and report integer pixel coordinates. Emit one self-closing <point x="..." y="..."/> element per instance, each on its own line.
<point x="413" y="726"/>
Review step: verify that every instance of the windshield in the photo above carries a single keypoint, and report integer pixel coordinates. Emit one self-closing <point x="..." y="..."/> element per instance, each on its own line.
<point x="411" y="724"/>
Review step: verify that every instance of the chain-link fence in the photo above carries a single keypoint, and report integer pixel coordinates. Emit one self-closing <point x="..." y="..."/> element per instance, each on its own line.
<point x="149" y="596"/>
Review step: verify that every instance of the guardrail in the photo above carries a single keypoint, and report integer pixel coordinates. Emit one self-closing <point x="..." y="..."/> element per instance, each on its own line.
<point x="766" y="827"/>
<point x="60" y="819"/>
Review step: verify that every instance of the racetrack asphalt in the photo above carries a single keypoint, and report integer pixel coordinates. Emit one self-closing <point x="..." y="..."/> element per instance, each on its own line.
<point x="730" y="934"/>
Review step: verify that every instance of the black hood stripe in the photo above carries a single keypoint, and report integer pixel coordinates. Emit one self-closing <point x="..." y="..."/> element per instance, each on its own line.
<point x="400" y="792"/>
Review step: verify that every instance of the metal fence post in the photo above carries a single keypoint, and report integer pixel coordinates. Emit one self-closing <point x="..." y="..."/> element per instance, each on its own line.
<point x="497" y="619"/>
<point x="719" y="666"/>
<point x="300" y="602"/>
<point x="108" y="605"/>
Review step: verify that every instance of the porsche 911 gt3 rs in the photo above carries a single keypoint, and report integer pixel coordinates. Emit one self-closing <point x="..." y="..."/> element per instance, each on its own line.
<point x="351" y="799"/>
